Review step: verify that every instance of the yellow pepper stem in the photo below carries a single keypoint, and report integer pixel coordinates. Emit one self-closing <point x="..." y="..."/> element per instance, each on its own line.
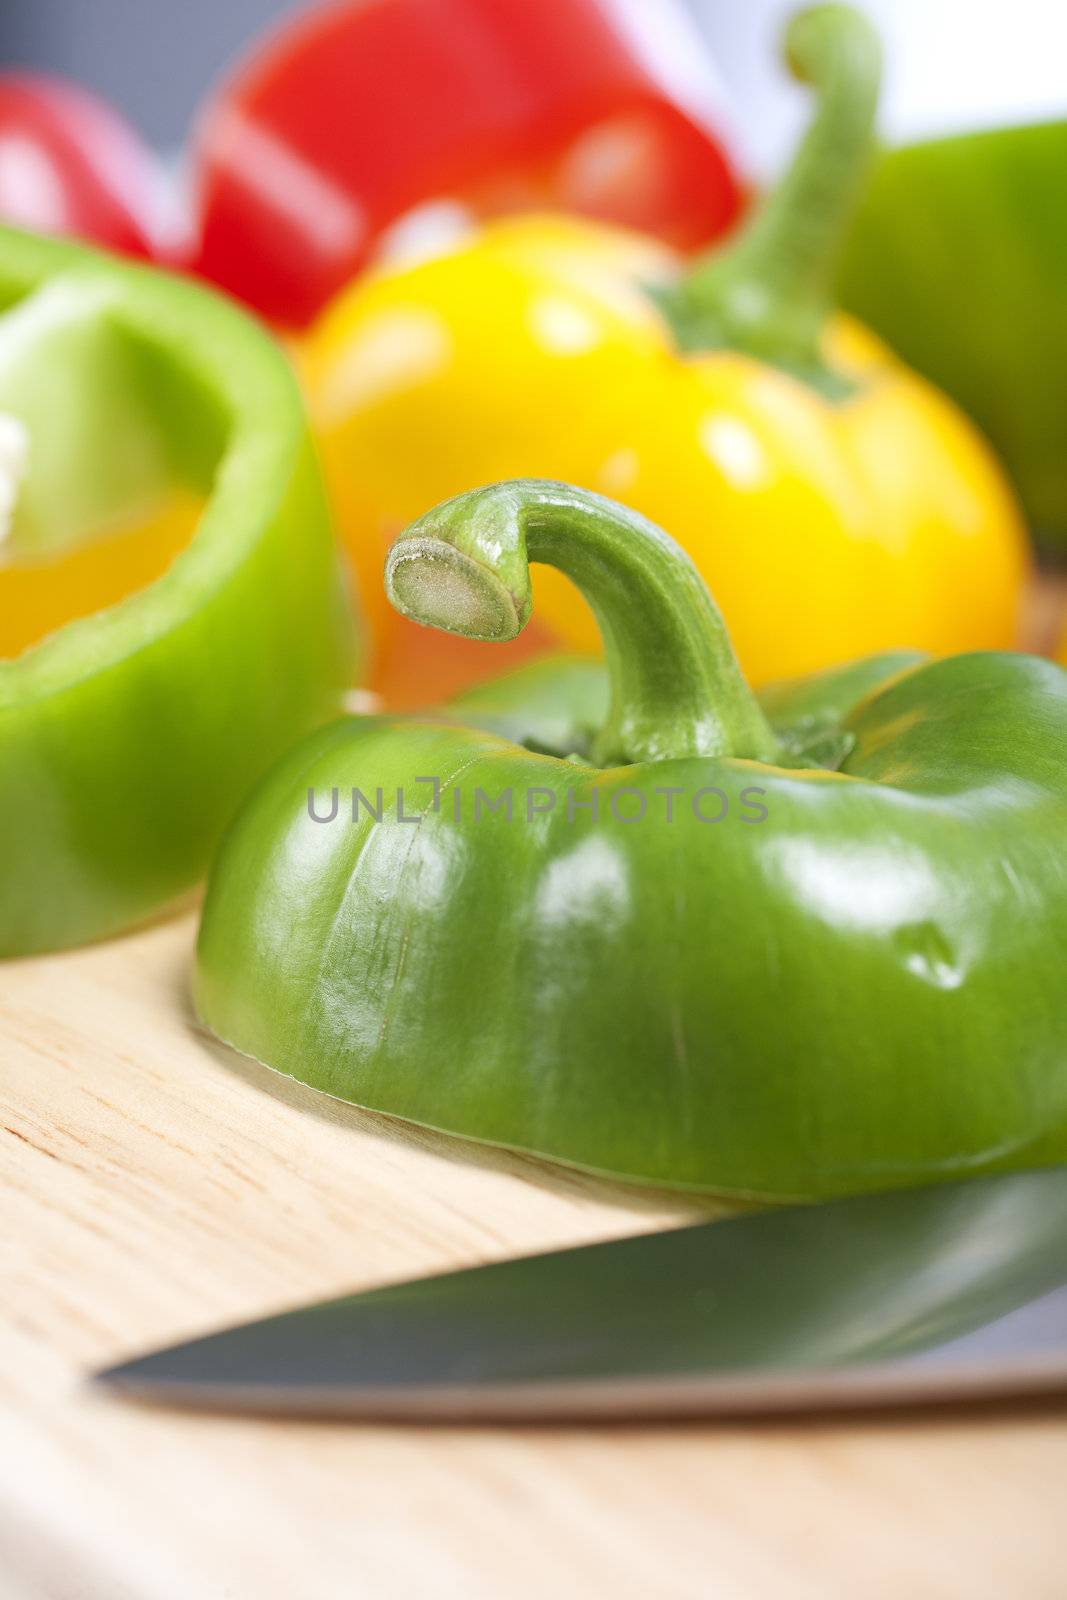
<point x="769" y="291"/>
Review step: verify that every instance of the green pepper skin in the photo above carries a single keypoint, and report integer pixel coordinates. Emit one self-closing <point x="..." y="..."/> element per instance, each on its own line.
<point x="863" y="988"/>
<point x="958" y="257"/>
<point x="554" y="703"/>
<point x="128" y="738"/>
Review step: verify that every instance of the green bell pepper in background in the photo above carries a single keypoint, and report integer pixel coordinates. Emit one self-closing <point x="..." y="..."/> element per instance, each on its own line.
<point x="958" y="257"/>
<point x="782" y="948"/>
<point x="128" y="737"/>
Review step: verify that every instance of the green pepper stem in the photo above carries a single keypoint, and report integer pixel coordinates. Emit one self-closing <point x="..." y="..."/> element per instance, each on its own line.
<point x="768" y="292"/>
<point x="676" y="687"/>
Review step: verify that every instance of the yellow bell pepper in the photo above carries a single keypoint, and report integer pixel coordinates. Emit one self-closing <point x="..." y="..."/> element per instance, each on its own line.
<point x="834" y="502"/>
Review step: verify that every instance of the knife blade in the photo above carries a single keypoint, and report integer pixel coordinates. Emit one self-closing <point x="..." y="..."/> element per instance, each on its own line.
<point x="946" y="1293"/>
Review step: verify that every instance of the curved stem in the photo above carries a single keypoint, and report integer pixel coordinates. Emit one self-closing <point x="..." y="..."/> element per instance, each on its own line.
<point x="676" y="687"/>
<point x="769" y="290"/>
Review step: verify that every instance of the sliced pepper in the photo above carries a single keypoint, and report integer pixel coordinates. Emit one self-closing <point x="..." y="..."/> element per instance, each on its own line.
<point x="354" y="115"/>
<point x="834" y="501"/>
<point x="794" y="948"/>
<point x="165" y="440"/>
<point x="958" y="255"/>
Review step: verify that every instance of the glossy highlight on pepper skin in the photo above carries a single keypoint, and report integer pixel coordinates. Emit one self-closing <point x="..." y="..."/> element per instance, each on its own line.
<point x="70" y="165"/>
<point x="861" y="990"/>
<point x="835" y="503"/>
<point x="128" y="737"/>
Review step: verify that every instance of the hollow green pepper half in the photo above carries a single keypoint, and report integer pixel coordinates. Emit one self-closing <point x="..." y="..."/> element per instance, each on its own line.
<point x="787" y="947"/>
<point x="958" y="257"/>
<point x="127" y="737"/>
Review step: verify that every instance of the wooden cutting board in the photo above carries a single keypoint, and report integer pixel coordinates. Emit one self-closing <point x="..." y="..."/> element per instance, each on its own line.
<point x="155" y="1185"/>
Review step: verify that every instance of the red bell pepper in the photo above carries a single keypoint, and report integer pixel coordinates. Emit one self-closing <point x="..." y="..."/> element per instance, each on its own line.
<point x="354" y="115"/>
<point x="69" y="164"/>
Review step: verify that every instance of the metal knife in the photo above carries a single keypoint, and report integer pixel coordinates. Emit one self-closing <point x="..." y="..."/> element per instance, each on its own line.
<point x="939" y="1294"/>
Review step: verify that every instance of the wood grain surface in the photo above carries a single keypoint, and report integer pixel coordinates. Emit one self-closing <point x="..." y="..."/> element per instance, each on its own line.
<point x="155" y="1185"/>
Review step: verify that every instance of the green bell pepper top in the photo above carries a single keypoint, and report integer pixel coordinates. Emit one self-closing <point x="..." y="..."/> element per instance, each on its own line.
<point x="783" y="949"/>
<point x="958" y="257"/>
<point x="128" y="737"/>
